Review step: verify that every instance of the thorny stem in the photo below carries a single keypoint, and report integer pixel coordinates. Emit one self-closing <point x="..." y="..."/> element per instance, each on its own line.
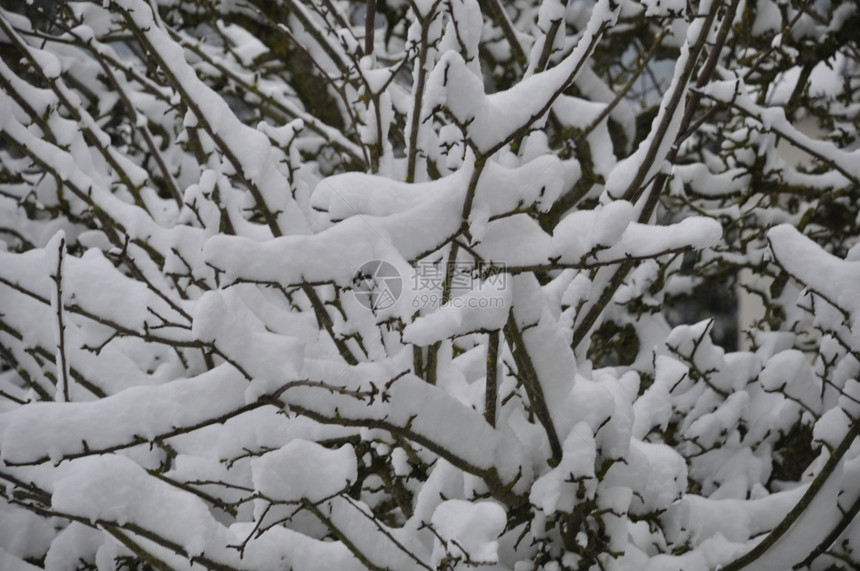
<point x="315" y="32"/>
<point x="418" y="99"/>
<point x="286" y="107"/>
<point x="62" y="364"/>
<point x="433" y="350"/>
<point x="166" y="175"/>
<point x="369" y="27"/>
<point x="268" y="215"/>
<point x="499" y="489"/>
<point x="834" y="534"/>
<point x="633" y="189"/>
<point x="531" y="383"/>
<point x="341" y="536"/>
<point x="523" y="129"/>
<point x="497" y="12"/>
<point x="625" y="89"/>
<point x="135" y="547"/>
<point x="491" y="391"/>
<point x="83" y="119"/>
<point x="549" y="40"/>
<point x="385" y="532"/>
<point x="808" y="497"/>
<point x="194" y="106"/>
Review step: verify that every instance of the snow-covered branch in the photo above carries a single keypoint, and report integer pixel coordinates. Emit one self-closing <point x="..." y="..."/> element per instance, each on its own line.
<point x="429" y="284"/>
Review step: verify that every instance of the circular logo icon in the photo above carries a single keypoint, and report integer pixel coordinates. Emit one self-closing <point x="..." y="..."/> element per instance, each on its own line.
<point x="377" y="285"/>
